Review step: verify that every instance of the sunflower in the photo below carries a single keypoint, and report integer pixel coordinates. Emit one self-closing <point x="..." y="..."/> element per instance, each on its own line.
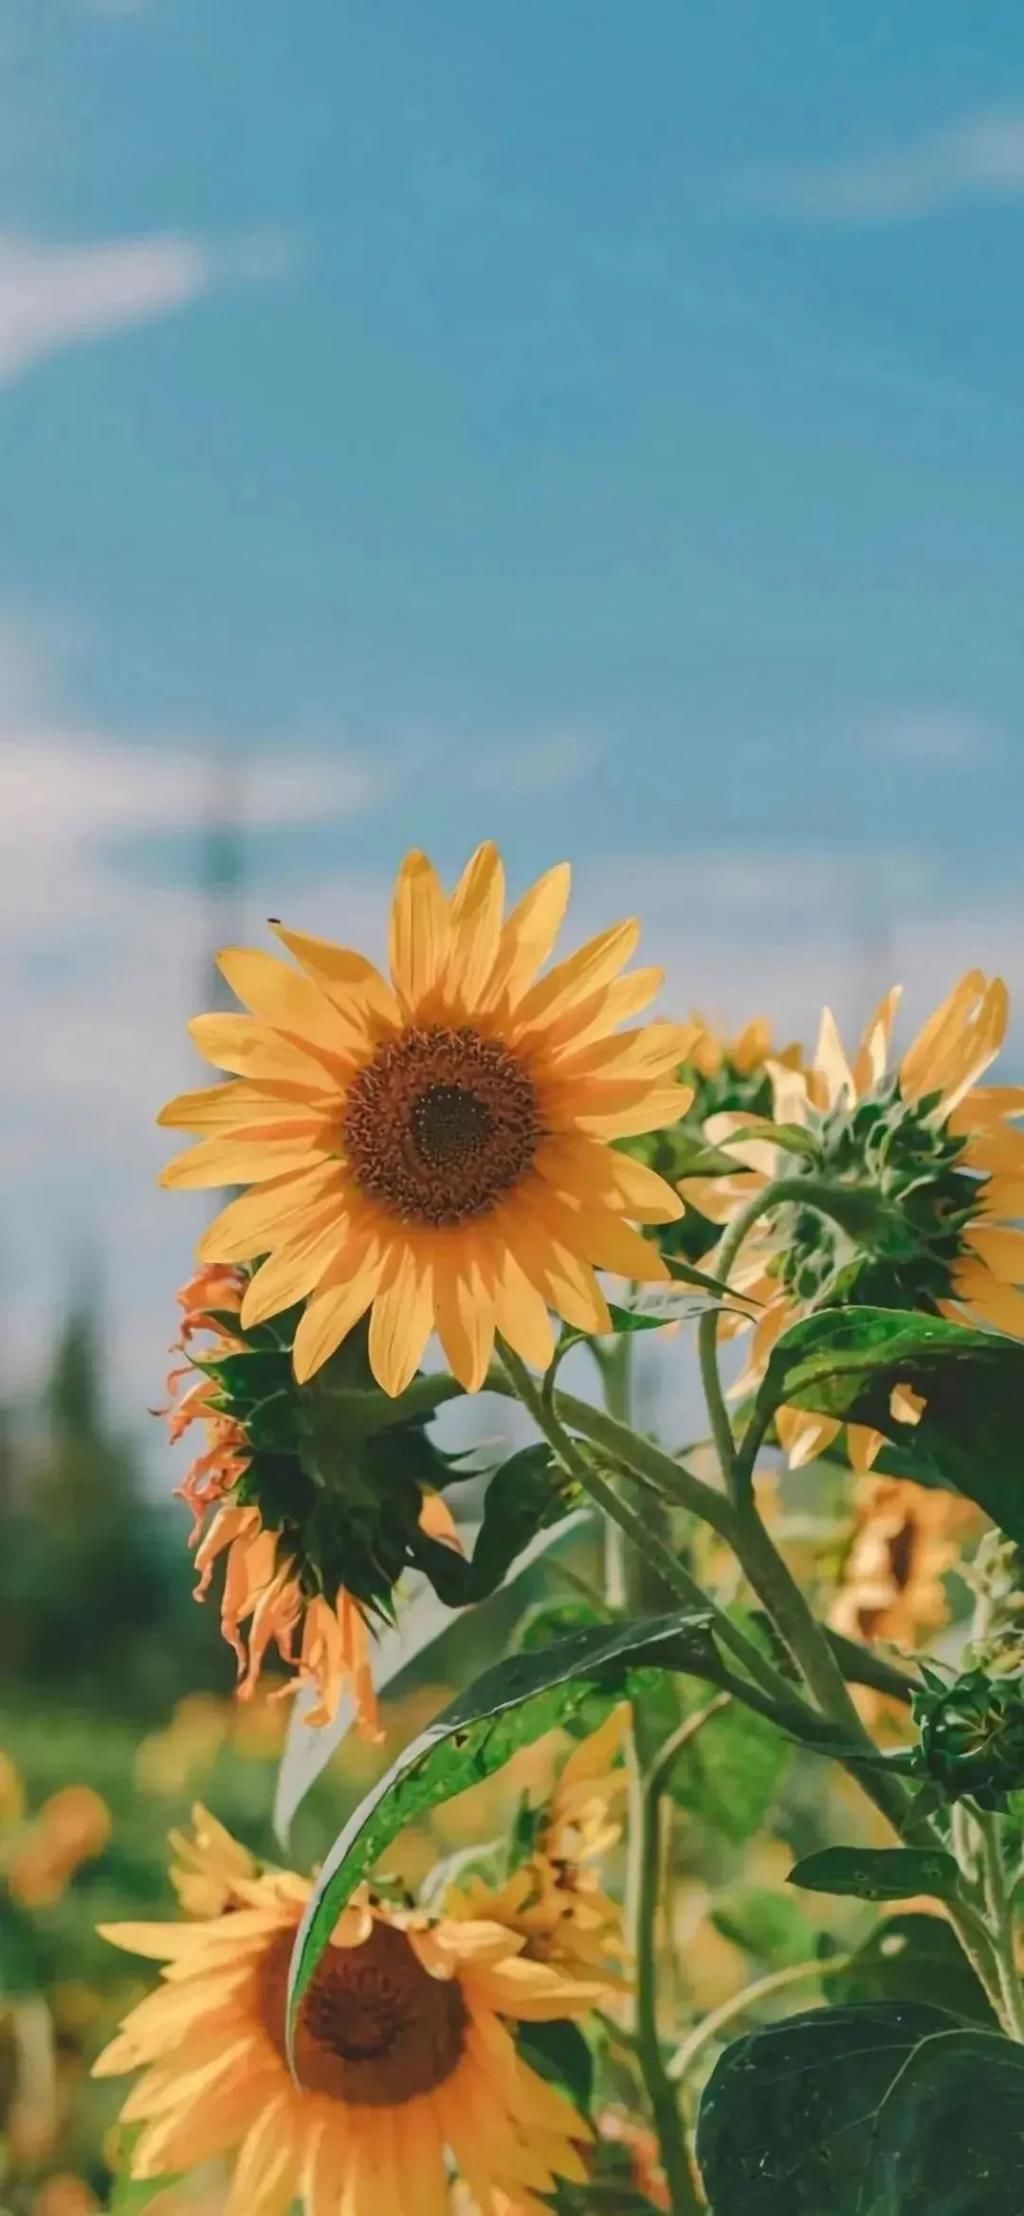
<point x="313" y="1514"/>
<point x="435" y="1149"/>
<point x="554" y="1898"/>
<point x="892" y="1589"/>
<point x="405" y="2059"/>
<point x="71" y="1827"/>
<point x="938" y="1149"/>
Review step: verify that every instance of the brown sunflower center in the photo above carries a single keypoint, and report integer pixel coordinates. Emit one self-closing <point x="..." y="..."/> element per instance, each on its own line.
<point x="375" y="2029"/>
<point x="440" y="1125"/>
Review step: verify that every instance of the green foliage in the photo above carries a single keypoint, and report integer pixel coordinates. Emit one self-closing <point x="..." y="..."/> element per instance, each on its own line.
<point x="794" y="2119"/>
<point x="559" y="2052"/>
<point x="510" y="1705"/>
<point x="972" y="1736"/>
<point x="731" y="1773"/>
<point x="879" y="1873"/>
<point x="913" y="1957"/>
<point x="771" y="1927"/>
<point x="846" y="1362"/>
<point x="528" y="1494"/>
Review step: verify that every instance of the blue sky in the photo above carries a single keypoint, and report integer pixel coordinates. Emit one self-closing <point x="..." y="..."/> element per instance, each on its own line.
<point x="598" y="426"/>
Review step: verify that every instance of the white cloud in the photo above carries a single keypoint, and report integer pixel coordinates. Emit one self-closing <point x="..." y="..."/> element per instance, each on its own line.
<point x="56" y="297"/>
<point x="933" y="738"/>
<point x="978" y="157"/>
<point x="523" y="771"/>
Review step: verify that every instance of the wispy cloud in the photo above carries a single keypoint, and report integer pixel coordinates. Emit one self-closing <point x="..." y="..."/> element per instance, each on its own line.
<point x="933" y="737"/>
<point x="54" y="297"/>
<point x="519" y="771"/>
<point x="977" y="157"/>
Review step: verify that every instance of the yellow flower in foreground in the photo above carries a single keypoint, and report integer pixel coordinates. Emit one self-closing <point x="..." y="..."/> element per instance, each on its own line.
<point x="436" y="1148"/>
<point x="941" y="1148"/>
<point x="403" y="2052"/>
<point x="554" y="1898"/>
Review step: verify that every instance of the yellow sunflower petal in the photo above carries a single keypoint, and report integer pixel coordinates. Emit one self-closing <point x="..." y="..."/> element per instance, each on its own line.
<point x="249" y="1047"/>
<point x="465" y="1319"/>
<point x="627" y="1111"/>
<point x="353" y="984"/>
<point x="599" y="1015"/>
<point x="332" y="1312"/>
<point x="522" y="1316"/>
<point x="286" y="1000"/>
<point x="244" y="1161"/>
<point x="402" y="1319"/>
<point x="582" y="973"/>
<point x="918" y="1065"/>
<point x="529" y="935"/>
<point x="279" y="1207"/>
<point x="242" y="1105"/>
<point x="296" y="1267"/>
<point x="1001" y="1249"/>
<point x="592" y="1173"/>
<point x="477" y="907"/>
<point x="420" y="931"/>
<point x="872" y="1057"/>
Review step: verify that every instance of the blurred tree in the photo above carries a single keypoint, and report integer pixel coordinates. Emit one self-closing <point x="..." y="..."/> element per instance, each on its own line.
<point x="95" y="1586"/>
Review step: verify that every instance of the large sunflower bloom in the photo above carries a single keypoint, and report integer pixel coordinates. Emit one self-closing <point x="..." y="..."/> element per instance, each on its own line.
<point x="435" y="1148"/>
<point x="941" y="1148"/>
<point x="404" y="2055"/>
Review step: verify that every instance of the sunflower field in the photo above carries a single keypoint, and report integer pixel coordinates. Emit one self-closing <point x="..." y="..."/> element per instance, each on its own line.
<point x="597" y="1823"/>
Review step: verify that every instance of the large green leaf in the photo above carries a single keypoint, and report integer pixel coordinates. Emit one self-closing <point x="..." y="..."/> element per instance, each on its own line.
<point x="880" y="1873"/>
<point x="789" y="2115"/>
<point x="846" y="1362"/>
<point x="912" y="1957"/>
<point x="730" y="1774"/>
<point x="510" y="1705"/>
<point x="949" y="2140"/>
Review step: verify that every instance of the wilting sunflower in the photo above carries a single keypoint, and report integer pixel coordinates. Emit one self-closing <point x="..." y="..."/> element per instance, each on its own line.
<point x="405" y="2058"/>
<point x="939" y="1150"/>
<point x="311" y="1510"/>
<point x="435" y="1148"/>
<point x="554" y="1897"/>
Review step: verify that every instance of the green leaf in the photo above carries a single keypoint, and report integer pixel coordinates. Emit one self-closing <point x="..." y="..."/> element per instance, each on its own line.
<point x="787" y="2119"/>
<point x="525" y="1496"/>
<point x="913" y="1957"/>
<point x="559" y="2052"/>
<point x="508" y="1707"/>
<point x="845" y="1362"/>
<point x="949" y="2140"/>
<point x="730" y="1774"/>
<point x="770" y="1926"/>
<point x="879" y="1873"/>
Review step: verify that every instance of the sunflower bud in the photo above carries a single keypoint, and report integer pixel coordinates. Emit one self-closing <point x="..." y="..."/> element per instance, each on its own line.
<point x="972" y="1736"/>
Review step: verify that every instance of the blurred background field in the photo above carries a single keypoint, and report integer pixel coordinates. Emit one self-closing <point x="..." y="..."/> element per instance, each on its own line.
<point x="595" y="428"/>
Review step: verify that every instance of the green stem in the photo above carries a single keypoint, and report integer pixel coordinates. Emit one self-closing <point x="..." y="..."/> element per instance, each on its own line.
<point x="663" y="2099"/>
<point x="739" y="2004"/>
<point x="627" y="1448"/>
<point x="1001" y="1923"/>
<point x="768" y="1197"/>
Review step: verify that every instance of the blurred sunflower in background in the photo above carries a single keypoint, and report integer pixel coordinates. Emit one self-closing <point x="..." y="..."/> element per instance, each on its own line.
<point x="892" y="1587"/>
<point x="406" y="2058"/>
<point x="553" y="1897"/>
<point x="435" y="1149"/>
<point x="939" y="1152"/>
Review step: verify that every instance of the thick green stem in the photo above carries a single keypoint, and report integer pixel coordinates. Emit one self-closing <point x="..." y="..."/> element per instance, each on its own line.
<point x="999" y="1909"/>
<point x="664" y="2100"/>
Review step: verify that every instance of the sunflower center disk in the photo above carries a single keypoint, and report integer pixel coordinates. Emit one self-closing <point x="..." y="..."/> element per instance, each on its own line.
<point x="440" y="1125"/>
<point x="375" y="2028"/>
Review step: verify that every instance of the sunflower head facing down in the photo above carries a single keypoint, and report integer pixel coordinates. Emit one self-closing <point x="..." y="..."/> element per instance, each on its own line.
<point x="309" y="1504"/>
<point x="939" y="1155"/>
<point x="406" y="2055"/>
<point x="434" y="1147"/>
